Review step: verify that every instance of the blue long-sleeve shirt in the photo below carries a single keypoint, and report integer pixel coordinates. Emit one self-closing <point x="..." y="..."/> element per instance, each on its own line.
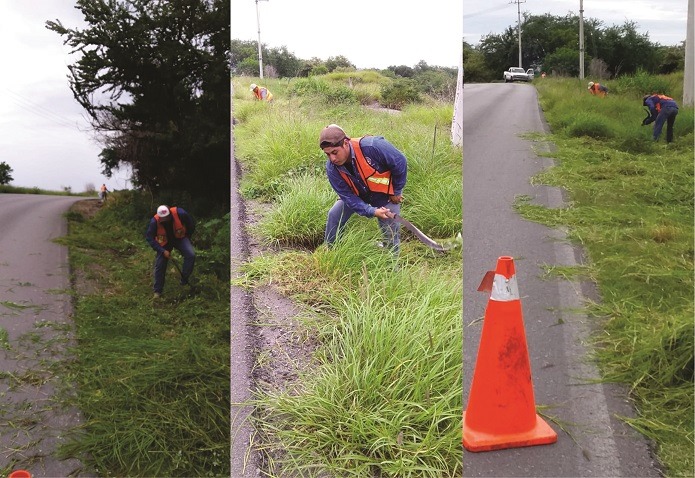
<point x="652" y="102"/>
<point x="151" y="232"/>
<point x="383" y="156"/>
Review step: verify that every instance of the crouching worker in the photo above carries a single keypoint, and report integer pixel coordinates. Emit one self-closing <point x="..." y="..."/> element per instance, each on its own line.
<point x="170" y="228"/>
<point x="261" y="93"/>
<point x="597" y="89"/>
<point x="661" y="109"/>
<point x="369" y="175"/>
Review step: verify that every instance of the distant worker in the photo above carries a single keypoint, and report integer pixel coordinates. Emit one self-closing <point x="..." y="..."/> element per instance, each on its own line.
<point x="170" y="228"/>
<point x="661" y="108"/>
<point x="103" y="191"/>
<point x="543" y="74"/>
<point x="261" y="93"/>
<point x="369" y="175"/>
<point x="597" y="89"/>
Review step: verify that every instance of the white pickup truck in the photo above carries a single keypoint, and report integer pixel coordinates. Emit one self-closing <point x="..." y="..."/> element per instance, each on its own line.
<point x="516" y="74"/>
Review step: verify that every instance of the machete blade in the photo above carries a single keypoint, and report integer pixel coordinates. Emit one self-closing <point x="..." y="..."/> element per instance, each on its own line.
<point x="421" y="235"/>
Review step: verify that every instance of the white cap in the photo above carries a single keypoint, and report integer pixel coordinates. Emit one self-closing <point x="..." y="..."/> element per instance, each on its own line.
<point x="591" y="83"/>
<point x="253" y="86"/>
<point x="162" y="211"/>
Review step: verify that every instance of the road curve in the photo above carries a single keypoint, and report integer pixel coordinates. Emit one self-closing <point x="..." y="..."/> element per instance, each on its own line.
<point x="35" y="310"/>
<point x="497" y="166"/>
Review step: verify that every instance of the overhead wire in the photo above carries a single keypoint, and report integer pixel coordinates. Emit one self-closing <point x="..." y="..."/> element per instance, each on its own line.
<point x="34" y="108"/>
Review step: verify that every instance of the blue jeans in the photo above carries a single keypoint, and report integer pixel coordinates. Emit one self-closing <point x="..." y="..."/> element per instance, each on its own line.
<point x="668" y="115"/>
<point x="185" y="247"/>
<point x="340" y="213"/>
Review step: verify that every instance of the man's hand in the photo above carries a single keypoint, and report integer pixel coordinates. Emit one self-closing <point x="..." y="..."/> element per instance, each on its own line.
<point x="383" y="213"/>
<point x="396" y="199"/>
<point x="167" y="254"/>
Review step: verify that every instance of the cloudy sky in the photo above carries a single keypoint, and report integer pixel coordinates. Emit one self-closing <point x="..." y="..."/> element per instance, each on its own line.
<point x="369" y="33"/>
<point x="44" y="136"/>
<point x="664" y="20"/>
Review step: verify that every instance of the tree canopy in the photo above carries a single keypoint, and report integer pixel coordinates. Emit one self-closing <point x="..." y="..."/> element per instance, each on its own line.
<point x="153" y="76"/>
<point x="551" y="43"/>
<point x="5" y="173"/>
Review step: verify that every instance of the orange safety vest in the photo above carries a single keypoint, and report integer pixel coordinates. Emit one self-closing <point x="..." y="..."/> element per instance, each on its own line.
<point x="376" y="182"/>
<point x="658" y="104"/>
<point x="179" y="228"/>
<point x="258" y="92"/>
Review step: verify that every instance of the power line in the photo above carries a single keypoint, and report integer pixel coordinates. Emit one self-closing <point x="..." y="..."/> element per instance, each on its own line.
<point x="32" y="107"/>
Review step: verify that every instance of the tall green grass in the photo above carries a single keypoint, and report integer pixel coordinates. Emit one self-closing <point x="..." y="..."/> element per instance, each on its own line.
<point x="631" y="208"/>
<point x="152" y="377"/>
<point x="383" y="394"/>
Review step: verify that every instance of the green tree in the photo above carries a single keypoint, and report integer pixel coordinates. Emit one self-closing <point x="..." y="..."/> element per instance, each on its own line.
<point x="286" y="64"/>
<point x="564" y="62"/>
<point x="339" y="61"/>
<point x="626" y="51"/>
<point x="500" y="51"/>
<point x="5" y="176"/>
<point x="671" y="58"/>
<point x="153" y="76"/>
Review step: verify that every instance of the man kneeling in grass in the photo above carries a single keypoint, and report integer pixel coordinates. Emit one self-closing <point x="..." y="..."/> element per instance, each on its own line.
<point x="369" y="175"/>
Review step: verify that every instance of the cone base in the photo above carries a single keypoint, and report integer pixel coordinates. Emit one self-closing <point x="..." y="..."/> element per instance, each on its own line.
<point x="476" y="441"/>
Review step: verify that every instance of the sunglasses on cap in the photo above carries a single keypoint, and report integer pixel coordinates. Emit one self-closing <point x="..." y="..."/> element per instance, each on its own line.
<point x="327" y="144"/>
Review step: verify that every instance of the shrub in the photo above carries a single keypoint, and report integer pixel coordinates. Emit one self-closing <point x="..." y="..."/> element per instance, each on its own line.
<point x="319" y="88"/>
<point x="641" y="83"/>
<point x="401" y="91"/>
<point x="591" y="125"/>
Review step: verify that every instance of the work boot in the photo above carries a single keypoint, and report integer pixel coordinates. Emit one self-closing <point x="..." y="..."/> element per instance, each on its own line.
<point x="157" y="295"/>
<point x="183" y="281"/>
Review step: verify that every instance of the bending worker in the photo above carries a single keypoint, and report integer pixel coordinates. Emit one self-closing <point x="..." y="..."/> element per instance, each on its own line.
<point x="261" y="93"/>
<point x="171" y="228"/>
<point x="661" y="108"/>
<point x="597" y="89"/>
<point x="369" y="175"/>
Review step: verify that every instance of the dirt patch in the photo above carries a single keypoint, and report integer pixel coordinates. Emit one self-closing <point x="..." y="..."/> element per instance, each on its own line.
<point x="87" y="208"/>
<point x="283" y="345"/>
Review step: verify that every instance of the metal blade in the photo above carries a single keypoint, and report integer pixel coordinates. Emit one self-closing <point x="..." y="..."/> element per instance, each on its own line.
<point x="420" y="235"/>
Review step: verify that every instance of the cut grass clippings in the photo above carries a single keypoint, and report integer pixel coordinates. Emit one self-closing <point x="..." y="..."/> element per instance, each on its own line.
<point x="631" y="208"/>
<point x="152" y="376"/>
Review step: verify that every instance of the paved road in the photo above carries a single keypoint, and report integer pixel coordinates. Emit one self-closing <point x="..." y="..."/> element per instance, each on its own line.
<point x="34" y="311"/>
<point x="498" y="163"/>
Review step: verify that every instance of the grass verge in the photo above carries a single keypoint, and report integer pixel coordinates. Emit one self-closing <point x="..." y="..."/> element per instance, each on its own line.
<point x="383" y="394"/>
<point x="152" y="377"/>
<point x="631" y="208"/>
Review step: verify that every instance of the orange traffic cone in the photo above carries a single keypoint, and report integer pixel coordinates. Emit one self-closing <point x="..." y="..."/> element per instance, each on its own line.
<point x="19" y="474"/>
<point x="501" y="409"/>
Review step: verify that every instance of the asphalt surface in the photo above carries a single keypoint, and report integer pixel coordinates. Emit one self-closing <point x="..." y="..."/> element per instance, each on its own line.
<point x="35" y="313"/>
<point x="497" y="167"/>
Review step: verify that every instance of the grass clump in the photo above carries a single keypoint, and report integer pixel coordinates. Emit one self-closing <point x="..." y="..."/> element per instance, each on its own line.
<point x="152" y="377"/>
<point x="631" y="208"/>
<point x="382" y="396"/>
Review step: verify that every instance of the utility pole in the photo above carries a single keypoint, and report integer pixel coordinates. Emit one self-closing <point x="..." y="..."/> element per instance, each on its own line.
<point x="260" y="53"/>
<point x="581" y="39"/>
<point x="689" y="59"/>
<point x="518" y="11"/>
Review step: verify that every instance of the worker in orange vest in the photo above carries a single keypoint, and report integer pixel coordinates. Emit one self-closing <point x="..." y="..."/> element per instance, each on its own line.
<point x="170" y="228"/>
<point x="662" y="109"/>
<point x="369" y="175"/>
<point x="261" y="93"/>
<point x="597" y="89"/>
